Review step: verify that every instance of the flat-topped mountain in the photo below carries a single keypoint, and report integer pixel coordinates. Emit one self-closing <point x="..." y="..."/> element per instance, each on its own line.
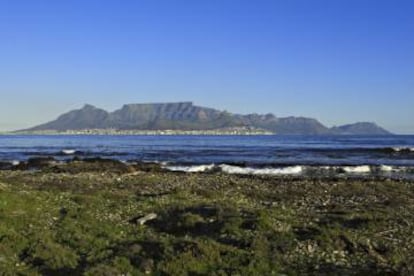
<point x="186" y="116"/>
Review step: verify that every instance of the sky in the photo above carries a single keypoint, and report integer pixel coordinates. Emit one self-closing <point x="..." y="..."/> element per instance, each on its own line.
<point x="339" y="61"/>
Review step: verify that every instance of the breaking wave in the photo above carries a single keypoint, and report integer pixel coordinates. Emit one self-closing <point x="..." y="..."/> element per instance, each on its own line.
<point x="403" y="149"/>
<point x="190" y="169"/>
<point x="362" y="170"/>
<point x="231" y="169"/>
<point x="261" y="171"/>
<point x="386" y="168"/>
<point x="356" y="169"/>
<point x="69" y="151"/>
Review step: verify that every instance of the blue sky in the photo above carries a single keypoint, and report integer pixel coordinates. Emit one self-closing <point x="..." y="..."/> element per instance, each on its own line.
<point x="339" y="61"/>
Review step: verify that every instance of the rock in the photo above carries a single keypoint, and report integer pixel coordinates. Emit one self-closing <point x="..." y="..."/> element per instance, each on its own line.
<point x="40" y="161"/>
<point x="100" y="165"/>
<point x="148" y="167"/>
<point x="147" y="265"/>
<point x="135" y="248"/>
<point x="36" y="163"/>
<point x="148" y="217"/>
<point x="310" y="248"/>
<point x="5" y="166"/>
<point x="3" y="186"/>
<point x="144" y="219"/>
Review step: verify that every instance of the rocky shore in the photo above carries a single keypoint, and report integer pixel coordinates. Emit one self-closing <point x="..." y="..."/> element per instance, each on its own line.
<point x="104" y="217"/>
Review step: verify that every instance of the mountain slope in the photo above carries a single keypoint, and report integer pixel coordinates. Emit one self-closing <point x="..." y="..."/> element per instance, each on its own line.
<point x="186" y="116"/>
<point x="360" y="129"/>
<point x="85" y="118"/>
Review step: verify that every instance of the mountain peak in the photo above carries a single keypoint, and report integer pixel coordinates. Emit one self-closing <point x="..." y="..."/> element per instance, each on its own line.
<point x="186" y="103"/>
<point x="88" y="106"/>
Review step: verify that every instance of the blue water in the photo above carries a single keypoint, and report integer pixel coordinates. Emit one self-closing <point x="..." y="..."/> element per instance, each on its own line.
<point x="247" y="150"/>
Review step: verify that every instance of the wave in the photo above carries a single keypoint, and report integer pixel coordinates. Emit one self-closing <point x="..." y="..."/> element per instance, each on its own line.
<point x="403" y="149"/>
<point x="386" y="168"/>
<point x="191" y="169"/>
<point x="394" y="150"/>
<point x="264" y="171"/>
<point x="356" y="169"/>
<point x="290" y="170"/>
<point x="396" y="169"/>
<point x="366" y="169"/>
<point x="69" y="151"/>
<point x="231" y="169"/>
<point x="162" y="163"/>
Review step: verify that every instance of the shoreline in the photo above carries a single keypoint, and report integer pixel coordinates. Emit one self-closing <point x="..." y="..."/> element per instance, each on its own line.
<point x="106" y="216"/>
<point x="70" y="158"/>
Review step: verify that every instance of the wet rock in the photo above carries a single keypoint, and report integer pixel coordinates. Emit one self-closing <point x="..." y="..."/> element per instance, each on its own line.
<point x="95" y="165"/>
<point x="148" y="167"/>
<point x="142" y="220"/>
<point x="36" y="163"/>
<point x="5" y="166"/>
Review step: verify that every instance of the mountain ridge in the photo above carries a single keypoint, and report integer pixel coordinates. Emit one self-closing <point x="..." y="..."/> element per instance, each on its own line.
<point x="187" y="116"/>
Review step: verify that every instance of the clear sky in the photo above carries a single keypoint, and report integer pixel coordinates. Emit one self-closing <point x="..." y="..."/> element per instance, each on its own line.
<point x="339" y="61"/>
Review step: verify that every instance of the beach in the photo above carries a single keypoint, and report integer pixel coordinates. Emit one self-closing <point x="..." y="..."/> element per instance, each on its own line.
<point x="106" y="217"/>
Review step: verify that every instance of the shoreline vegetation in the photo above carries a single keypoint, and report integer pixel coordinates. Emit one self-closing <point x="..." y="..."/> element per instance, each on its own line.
<point x="104" y="217"/>
<point x="223" y="131"/>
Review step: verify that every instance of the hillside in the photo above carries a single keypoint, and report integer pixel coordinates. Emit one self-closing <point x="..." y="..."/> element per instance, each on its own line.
<point x="186" y="116"/>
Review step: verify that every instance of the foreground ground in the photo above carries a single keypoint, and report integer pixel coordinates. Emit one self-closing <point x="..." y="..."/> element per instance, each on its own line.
<point x="84" y="218"/>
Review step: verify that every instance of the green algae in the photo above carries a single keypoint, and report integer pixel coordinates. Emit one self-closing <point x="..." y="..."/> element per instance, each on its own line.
<point x="65" y="222"/>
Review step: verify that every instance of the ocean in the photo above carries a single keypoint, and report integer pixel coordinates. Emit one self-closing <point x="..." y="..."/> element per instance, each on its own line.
<point x="268" y="155"/>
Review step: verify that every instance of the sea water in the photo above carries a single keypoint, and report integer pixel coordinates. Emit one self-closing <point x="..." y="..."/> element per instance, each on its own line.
<point x="267" y="155"/>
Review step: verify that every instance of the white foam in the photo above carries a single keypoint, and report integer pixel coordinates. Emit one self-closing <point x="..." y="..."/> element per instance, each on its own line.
<point x="15" y="162"/>
<point x="162" y="163"/>
<point x="235" y="169"/>
<point x="386" y="168"/>
<point x="357" y="169"/>
<point x="266" y="171"/>
<point x="397" y="169"/>
<point x="68" y="151"/>
<point x="398" y="149"/>
<point x="190" y="169"/>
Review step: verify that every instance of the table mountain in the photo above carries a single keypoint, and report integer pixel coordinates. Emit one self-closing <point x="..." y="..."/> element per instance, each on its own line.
<point x="186" y="116"/>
